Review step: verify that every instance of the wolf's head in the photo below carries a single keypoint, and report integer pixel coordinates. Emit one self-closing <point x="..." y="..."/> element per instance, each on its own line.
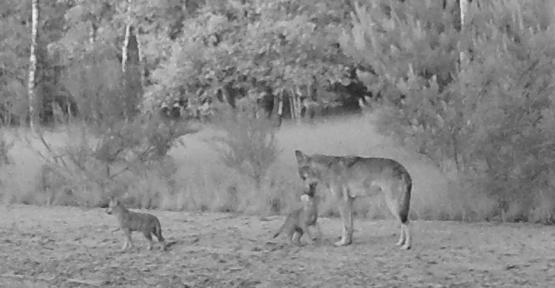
<point x="308" y="172"/>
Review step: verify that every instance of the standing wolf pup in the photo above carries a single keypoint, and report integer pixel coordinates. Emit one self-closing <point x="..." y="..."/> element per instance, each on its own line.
<point x="298" y="221"/>
<point x="347" y="177"/>
<point x="133" y="221"/>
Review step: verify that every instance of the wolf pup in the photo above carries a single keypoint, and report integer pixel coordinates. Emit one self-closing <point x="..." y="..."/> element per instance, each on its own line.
<point x="298" y="221"/>
<point x="132" y="221"/>
<point x="348" y="177"/>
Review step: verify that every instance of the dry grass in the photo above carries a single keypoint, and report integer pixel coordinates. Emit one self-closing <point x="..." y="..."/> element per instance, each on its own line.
<point x="202" y="183"/>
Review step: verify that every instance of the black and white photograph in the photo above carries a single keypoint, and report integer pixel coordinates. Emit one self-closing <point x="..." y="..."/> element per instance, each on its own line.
<point x="277" y="143"/>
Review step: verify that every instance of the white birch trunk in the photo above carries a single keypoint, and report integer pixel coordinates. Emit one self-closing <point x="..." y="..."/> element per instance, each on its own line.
<point x="463" y="6"/>
<point x="33" y="63"/>
<point x="124" y="52"/>
<point x="124" y="49"/>
<point x="92" y="33"/>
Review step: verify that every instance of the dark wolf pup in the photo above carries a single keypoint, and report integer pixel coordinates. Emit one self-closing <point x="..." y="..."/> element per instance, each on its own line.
<point x="348" y="177"/>
<point x="132" y="221"/>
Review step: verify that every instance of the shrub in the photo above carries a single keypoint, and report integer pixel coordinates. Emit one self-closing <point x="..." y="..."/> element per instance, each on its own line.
<point x="98" y="87"/>
<point x="129" y="158"/>
<point x="249" y="145"/>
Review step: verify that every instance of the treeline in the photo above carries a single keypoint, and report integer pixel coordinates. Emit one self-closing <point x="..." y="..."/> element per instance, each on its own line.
<point x="281" y="57"/>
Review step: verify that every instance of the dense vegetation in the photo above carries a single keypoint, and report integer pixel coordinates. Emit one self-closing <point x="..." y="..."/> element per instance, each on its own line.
<point x="474" y="94"/>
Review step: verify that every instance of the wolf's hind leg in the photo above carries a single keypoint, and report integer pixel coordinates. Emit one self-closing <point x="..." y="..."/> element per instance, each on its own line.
<point x="393" y="205"/>
<point x="406" y="232"/>
<point x="395" y="208"/>
<point x="148" y="237"/>
<point x="402" y="237"/>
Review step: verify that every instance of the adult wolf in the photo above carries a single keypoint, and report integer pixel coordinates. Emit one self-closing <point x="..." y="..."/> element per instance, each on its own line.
<point x="348" y="177"/>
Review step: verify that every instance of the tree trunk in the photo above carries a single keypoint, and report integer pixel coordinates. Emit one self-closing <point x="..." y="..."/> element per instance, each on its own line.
<point x="92" y="33"/>
<point x="279" y="113"/>
<point x="294" y="103"/>
<point x="33" y="63"/>
<point x="131" y="67"/>
<point x="129" y="34"/>
<point x="277" y="109"/>
<point x="463" y="6"/>
<point x="463" y="61"/>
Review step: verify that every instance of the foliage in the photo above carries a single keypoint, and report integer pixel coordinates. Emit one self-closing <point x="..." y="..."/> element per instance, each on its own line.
<point x="99" y="162"/>
<point x="489" y="116"/>
<point x="14" y="47"/>
<point x="249" y="145"/>
<point x="5" y="147"/>
<point x="253" y="45"/>
<point x="188" y="48"/>
<point x="96" y="86"/>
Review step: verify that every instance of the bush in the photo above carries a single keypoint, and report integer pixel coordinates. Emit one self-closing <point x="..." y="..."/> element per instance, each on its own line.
<point x="129" y="158"/>
<point x="489" y="119"/>
<point x="249" y="145"/>
<point x="98" y="86"/>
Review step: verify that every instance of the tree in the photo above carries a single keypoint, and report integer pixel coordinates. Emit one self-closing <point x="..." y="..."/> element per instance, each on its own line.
<point x="14" y="58"/>
<point x="33" y="62"/>
<point x="131" y="66"/>
<point x="254" y="49"/>
<point x="463" y="6"/>
<point x="489" y="119"/>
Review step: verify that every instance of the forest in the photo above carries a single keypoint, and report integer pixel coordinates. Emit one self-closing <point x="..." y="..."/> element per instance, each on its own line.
<point x="199" y="104"/>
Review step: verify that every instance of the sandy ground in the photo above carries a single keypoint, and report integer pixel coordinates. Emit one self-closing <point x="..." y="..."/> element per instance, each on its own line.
<point x="73" y="247"/>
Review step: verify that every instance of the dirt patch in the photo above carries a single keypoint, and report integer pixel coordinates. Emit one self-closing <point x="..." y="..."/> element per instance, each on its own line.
<point x="72" y="247"/>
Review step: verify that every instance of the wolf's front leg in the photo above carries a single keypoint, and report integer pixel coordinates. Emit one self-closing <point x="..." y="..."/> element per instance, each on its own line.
<point x="128" y="242"/>
<point x="309" y="237"/>
<point x="319" y="232"/>
<point x="346" y="212"/>
<point x="296" y="238"/>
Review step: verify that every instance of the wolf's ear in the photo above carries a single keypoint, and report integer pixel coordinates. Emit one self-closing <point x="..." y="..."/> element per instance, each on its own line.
<point x="301" y="158"/>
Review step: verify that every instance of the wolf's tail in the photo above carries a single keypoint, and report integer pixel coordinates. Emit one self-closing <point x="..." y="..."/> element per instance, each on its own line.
<point x="158" y="231"/>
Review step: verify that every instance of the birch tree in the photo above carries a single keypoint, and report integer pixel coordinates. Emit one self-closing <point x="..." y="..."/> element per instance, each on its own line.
<point x="463" y="6"/>
<point x="33" y="62"/>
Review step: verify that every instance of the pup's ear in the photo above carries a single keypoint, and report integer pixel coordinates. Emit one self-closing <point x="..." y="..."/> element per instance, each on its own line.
<point x="301" y="157"/>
